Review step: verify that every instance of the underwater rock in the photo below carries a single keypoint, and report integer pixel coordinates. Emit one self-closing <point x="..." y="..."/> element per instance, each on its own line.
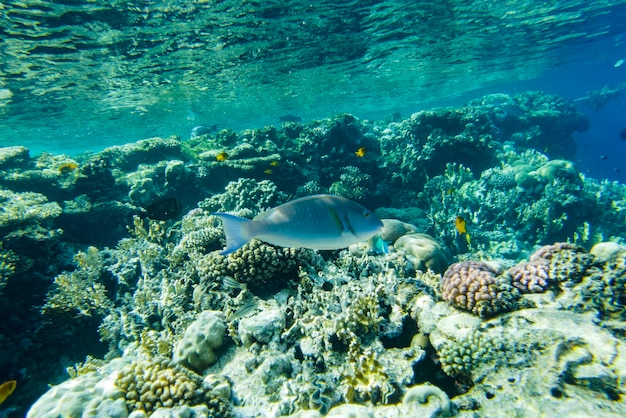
<point x="423" y="393"/>
<point x="201" y="339"/>
<point x="394" y="229"/>
<point x="605" y="251"/>
<point x="13" y="157"/>
<point x="555" y="362"/>
<point x="26" y="208"/>
<point x="263" y="327"/>
<point x="423" y="252"/>
<point x="147" y="151"/>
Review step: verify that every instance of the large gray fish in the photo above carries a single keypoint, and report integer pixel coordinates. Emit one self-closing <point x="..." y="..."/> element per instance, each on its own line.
<point x="319" y="222"/>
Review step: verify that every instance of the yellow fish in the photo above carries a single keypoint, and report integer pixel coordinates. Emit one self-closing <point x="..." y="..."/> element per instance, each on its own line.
<point x="268" y="171"/>
<point x="275" y="163"/>
<point x="461" y="227"/>
<point x="361" y="152"/>
<point x="67" y="168"/>
<point x="222" y="156"/>
<point x="7" y="389"/>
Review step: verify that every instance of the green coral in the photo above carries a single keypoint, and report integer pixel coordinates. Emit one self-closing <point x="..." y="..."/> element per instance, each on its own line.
<point x="79" y="292"/>
<point x="8" y="262"/>
<point x="463" y="357"/>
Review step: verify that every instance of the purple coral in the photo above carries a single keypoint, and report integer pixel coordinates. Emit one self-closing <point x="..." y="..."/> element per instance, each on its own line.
<point x="530" y="277"/>
<point x="475" y="286"/>
<point x="549" y="265"/>
<point x="566" y="262"/>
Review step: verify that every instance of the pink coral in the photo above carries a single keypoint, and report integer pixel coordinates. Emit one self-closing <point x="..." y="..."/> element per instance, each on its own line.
<point x="551" y="265"/>
<point x="476" y="287"/>
<point x="530" y="277"/>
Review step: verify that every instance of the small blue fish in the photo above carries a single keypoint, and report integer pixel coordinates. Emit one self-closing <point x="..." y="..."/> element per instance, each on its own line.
<point x="203" y="130"/>
<point x="319" y="222"/>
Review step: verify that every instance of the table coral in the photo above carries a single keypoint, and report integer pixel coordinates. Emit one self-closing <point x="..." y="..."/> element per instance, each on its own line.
<point x="475" y="286"/>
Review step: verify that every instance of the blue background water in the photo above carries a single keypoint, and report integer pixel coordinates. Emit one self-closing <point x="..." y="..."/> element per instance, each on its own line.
<point x="87" y="76"/>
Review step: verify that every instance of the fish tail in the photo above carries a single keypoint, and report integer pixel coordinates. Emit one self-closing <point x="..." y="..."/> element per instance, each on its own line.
<point x="236" y="230"/>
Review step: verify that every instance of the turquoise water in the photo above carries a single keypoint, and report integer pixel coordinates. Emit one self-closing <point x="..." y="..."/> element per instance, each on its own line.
<point x="490" y="137"/>
<point x="79" y="76"/>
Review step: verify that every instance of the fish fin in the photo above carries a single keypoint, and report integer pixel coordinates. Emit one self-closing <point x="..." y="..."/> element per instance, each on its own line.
<point x="236" y="230"/>
<point x="377" y="245"/>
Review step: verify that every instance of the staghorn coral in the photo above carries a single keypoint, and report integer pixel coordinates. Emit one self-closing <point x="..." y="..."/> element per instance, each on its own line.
<point x="475" y="286"/>
<point x="79" y="292"/>
<point x="149" y="384"/>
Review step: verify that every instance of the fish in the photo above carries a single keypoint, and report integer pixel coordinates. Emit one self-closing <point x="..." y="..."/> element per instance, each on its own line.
<point x="268" y="171"/>
<point x="622" y="135"/>
<point x="6" y="389"/>
<point x="290" y="118"/>
<point x="361" y="152"/>
<point x="231" y="283"/>
<point x="203" y="130"/>
<point x="67" y="168"/>
<point x="275" y="163"/>
<point x="222" y="156"/>
<point x="461" y="227"/>
<point x="165" y="209"/>
<point x="318" y="222"/>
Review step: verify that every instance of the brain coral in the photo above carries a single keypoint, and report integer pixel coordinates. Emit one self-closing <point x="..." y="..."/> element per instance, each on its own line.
<point x="475" y="286"/>
<point x="205" y="335"/>
<point x="423" y="252"/>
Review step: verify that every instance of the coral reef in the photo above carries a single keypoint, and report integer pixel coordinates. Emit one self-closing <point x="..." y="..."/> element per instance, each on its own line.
<point x="202" y="338"/>
<point x="257" y="264"/>
<point x="477" y="287"/>
<point x="423" y="252"/>
<point x="525" y="319"/>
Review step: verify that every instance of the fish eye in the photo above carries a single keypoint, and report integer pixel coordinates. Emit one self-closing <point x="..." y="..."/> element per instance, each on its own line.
<point x="366" y="214"/>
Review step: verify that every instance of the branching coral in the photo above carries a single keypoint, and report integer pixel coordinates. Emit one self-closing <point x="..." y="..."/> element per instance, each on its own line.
<point x="79" y="292"/>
